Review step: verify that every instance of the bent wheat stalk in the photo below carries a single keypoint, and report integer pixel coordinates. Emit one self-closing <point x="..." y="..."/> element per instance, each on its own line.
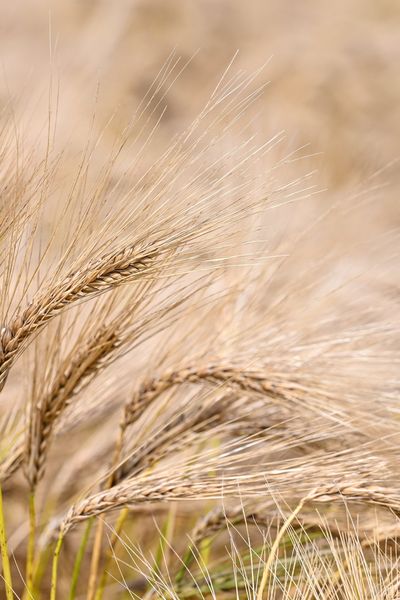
<point x="275" y="386"/>
<point x="97" y="277"/>
<point x="76" y="372"/>
<point x="195" y="483"/>
<point x="74" y="375"/>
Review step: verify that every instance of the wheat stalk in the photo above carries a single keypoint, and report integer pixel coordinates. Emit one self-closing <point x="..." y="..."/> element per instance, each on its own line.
<point x="76" y="373"/>
<point x="216" y="374"/>
<point x="97" y="277"/>
<point x="352" y="470"/>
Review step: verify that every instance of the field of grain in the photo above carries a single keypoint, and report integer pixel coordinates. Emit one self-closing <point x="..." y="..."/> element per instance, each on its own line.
<point x="199" y="300"/>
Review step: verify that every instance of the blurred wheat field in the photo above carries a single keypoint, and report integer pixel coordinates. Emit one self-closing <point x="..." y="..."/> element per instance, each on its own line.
<point x="199" y="342"/>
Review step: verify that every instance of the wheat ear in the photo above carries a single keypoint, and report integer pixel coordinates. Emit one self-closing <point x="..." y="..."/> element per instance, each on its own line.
<point x="98" y="276"/>
<point x="250" y="381"/>
<point x="75" y="374"/>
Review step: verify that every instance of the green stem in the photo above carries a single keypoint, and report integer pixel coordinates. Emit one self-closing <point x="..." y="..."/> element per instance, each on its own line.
<point x="42" y="556"/>
<point x="94" y="564"/>
<point x="39" y="570"/>
<point x="204" y="550"/>
<point x="31" y="545"/>
<point x="110" y="556"/>
<point x="4" y="553"/>
<point x="186" y="562"/>
<point x="54" y="568"/>
<point x="79" y="559"/>
<point x="165" y="539"/>
<point x="202" y="554"/>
